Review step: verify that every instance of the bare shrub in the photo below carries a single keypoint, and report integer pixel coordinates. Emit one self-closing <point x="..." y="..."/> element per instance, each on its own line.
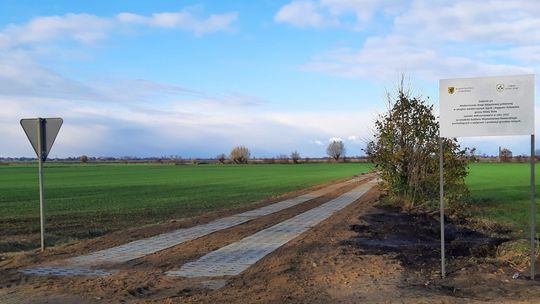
<point x="295" y="156"/>
<point x="221" y="158"/>
<point x="336" y="149"/>
<point x="505" y="155"/>
<point x="240" y="155"/>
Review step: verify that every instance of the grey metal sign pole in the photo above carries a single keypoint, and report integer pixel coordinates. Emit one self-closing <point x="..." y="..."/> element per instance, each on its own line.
<point x="41" y="144"/>
<point x="441" y="206"/>
<point x="533" y="212"/>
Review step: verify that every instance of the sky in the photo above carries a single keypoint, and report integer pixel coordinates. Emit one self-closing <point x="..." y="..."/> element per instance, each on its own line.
<point x="197" y="78"/>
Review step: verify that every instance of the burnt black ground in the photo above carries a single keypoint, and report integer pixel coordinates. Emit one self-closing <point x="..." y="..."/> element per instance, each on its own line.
<point x="414" y="240"/>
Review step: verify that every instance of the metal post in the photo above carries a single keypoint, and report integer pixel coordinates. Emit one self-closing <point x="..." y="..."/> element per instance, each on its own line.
<point x="441" y="207"/>
<point x="41" y="147"/>
<point x="533" y="212"/>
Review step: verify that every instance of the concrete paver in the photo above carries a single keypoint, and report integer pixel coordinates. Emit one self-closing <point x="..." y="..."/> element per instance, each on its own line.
<point x="237" y="257"/>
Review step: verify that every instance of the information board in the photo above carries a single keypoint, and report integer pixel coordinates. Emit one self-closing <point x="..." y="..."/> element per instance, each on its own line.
<point x="487" y="106"/>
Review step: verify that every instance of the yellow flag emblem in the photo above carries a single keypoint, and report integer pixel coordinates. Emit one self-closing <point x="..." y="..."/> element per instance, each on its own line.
<point x="451" y="90"/>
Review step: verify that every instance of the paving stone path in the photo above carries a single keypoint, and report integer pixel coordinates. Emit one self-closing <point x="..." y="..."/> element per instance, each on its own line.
<point x="237" y="257"/>
<point x="78" y="266"/>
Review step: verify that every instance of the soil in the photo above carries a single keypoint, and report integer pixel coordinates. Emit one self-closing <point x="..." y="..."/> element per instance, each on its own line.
<point x="362" y="254"/>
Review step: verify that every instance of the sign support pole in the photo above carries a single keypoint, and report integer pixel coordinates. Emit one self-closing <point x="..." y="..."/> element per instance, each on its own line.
<point x="533" y="212"/>
<point x="41" y="148"/>
<point x="441" y="206"/>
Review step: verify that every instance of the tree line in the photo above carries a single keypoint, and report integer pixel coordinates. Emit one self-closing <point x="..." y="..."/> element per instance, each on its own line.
<point x="241" y="154"/>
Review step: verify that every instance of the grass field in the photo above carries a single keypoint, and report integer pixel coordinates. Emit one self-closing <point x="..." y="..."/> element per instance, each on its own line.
<point x="88" y="200"/>
<point x="501" y="192"/>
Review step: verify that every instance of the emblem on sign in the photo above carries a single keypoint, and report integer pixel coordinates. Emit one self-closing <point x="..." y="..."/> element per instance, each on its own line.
<point x="451" y="90"/>
<point x="500" y="87"/>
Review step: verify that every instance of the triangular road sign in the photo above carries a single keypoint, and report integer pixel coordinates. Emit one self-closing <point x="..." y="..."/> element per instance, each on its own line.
<point x="30" y="127"/>
<point x="52" y="127"/>
<point x="47" y="127"/>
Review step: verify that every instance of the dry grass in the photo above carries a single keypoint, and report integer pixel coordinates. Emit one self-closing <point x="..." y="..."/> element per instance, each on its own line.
<point x="517" y="254"/>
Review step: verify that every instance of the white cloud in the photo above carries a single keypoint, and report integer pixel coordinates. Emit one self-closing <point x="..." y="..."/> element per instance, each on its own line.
<point x="21" y="49"/>
<point x="195" y="127"/>
<point x="20" y="76"/>
<point x="165" y="118"/>
<point x="138" y="116"/>
<point x="525" y="55"/>
<point x="333" y="139"/>
<point x="327" y="124"/>
<point x="332" y="13"/>
<point x="126" y="117"/>
<point x="304" y="14"/>
<point x="88" y="29"/>
<point x="383" y="58"/>
<point x="439" y="39"/>
<point x="83" y="28"/>
<point x="183" y="20"/>
<point x="494" y="21"/>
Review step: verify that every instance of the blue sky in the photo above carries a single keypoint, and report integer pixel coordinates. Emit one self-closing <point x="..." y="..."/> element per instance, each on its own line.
<point x="196" y="78"/>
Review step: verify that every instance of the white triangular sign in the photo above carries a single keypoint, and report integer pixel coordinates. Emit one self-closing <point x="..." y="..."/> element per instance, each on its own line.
<point x="49" y="129"/>
<point x="30" y="127"/>
<point x="52" y="127"/>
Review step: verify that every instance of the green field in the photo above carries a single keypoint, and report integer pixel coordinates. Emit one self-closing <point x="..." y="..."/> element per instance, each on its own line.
<point x="501" y="192"/>
<point x="89" y="200"/>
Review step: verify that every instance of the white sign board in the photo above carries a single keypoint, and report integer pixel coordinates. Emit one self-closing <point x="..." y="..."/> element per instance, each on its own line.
<point x="487" y="106"/>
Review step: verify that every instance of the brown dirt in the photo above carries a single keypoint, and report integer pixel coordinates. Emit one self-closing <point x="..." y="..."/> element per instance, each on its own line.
<point x="361" y="254"/>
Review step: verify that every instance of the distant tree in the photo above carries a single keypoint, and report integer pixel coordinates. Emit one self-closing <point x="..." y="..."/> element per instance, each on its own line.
<point x="370" y="150"/>
<point x="473" y="155"/>
<point x="295" y="156"/>
<point x="505" y="155"/>
<point x="240" y="155"/>
<point x="221" y="158"/>
<point x="84" y="159"/>
<point x="336" y="149"/>
<point x="283" y="159"/>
